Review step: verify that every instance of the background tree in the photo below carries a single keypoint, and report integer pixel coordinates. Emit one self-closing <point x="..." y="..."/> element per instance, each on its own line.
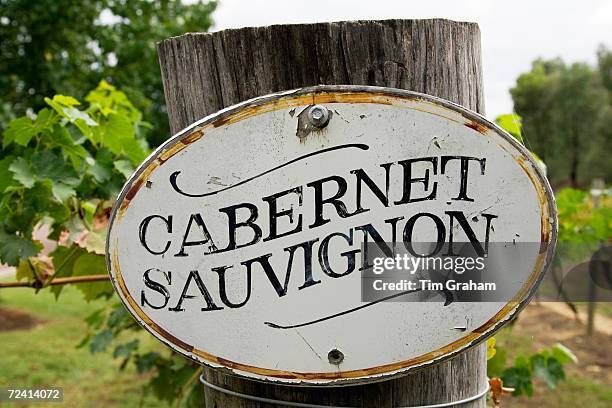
<point x="566" y="117"/>
<point x="67" y="47"/>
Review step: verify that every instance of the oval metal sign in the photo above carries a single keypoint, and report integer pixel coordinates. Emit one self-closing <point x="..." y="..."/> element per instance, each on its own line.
<point x="378" y="232"/>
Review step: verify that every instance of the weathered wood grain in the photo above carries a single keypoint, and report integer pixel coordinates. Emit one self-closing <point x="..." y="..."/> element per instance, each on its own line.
<point x="204" y="72"/>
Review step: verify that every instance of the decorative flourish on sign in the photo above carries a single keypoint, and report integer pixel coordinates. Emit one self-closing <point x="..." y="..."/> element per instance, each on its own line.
<point x="174" y="176"/>
<point x="294" y="326"/>
<point x="448" y="295"/>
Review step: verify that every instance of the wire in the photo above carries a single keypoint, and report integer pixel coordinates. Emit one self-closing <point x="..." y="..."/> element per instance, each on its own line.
<point x="305" y="405"/>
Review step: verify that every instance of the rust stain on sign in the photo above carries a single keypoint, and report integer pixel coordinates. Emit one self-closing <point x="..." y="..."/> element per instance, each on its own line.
<point x="479" y="127"/>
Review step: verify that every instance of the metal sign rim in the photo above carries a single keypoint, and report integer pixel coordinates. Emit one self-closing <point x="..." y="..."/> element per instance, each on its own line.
<point x="477" y="122"/>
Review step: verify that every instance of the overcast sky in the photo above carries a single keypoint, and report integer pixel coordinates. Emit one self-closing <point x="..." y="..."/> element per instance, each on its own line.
<point x="514" y="33"/>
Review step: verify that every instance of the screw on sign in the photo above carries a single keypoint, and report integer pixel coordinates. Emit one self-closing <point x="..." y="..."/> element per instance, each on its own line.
<point x="318" y="116"/>
<point x="247" y="251"/>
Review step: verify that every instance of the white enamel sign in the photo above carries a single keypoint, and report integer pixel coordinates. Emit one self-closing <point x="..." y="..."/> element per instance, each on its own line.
<point x="239" y="241"/>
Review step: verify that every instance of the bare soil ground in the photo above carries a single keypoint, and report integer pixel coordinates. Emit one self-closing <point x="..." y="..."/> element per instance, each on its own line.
<point x="547" y="326"/>
<point x="16" y="320"/>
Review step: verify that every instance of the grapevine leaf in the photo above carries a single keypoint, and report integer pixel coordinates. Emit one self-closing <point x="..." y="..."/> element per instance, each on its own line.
<point x="22" y="172"/>
<point x="20" y="131"/>
<point x="497" y="364"/>
<point x="65" y="107"/>
<point x="147" y="361"/>
<point x="117" y="316"/>
<point x="91" y="264"/>
<point x="48" y="165"/>
<point x="6" y="175"/>
<point x="85" y="128"/>
<point x="519" y="379"/>
<point x="99" y="172"/>
<point x="95" y="319"/>
<point x="563" y="354"/>
<point x="24" y="271"/>
<point x="134" y="151"/>
<point x="66" y="100"/>
<point x="178" y="362"/>
<point x="62" y="191"/>
<point x="73" y="151"/>
<point x="63" y="262"/>
<point x="553" y="373"/>
<point x="124" y="167"/>
<point x="101" y="341"/>
<point x="512" y="124"/>
<point x="90" y="209"/>
<point x="14" y="248"/>
<point x="119" y="130"/>
<point x="522" y="362"/>
<point x="95" y="241"/>
<point x="45" y="119"/>
<point x="538" y="364"/>
<point x="125" y="350"/>
<point x="23" y="129"/>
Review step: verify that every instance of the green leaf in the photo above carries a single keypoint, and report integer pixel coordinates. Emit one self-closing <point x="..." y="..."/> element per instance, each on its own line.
<point x="74" y="152"/>
<point x="95" y="241"/>
<point x="61" y="191"/>
<point x="538" y="364"/>
<point x="45" y="119"/>
<point x="497" y="363"/>
<point x="14" y="248"/>
<point x="99" y="172"/>
<point x="101" y="341"/>
<point x="147" y="361"/>
<point x="48" y="165"/>
<point x="519" y="379"/>
<point x="20" y="131"/>
<point x="90" y="209"/>
<point x="511" y="123"/>
<point x="522" y="362"/>
<point x="24" y="271"/>
<point x="63" y="261"/>
<point x="134" y="151"/>
<point x="563" y="354"/>
<point x="50" y="170"/>
<point x="118" y="131"/>
<point x="124" y="167"/>
<point x="66" y="100"/>
<point x="95" y="319"/>
<point x="68" y="111"/>
<point x="117" y="316"/>
<point x="125" y="350"/>
<point x="91" y="264"/>
<point x="23" y="129"/>
<point x="22" y="172"/>
<point x="6" y="175"/>
<point x="178" y="361"/>
<point x="554" y="373"/>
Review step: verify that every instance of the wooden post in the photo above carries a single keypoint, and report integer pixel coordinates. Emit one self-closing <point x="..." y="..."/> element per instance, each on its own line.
<point x="203" y="73"/>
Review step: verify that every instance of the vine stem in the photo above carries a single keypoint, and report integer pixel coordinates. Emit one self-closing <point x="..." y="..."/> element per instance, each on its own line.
<point x="56" y="281"/>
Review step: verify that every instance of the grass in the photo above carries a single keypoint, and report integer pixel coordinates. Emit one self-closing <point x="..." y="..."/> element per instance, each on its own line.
<point x="574" y="392"/>
<point x="45" y="355"/>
